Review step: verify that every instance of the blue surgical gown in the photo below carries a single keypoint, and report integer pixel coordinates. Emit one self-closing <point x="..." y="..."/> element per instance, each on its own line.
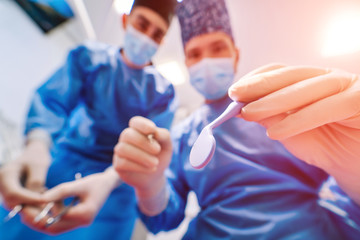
<point x="84" y="106"/>
<point x="253" y="188"/>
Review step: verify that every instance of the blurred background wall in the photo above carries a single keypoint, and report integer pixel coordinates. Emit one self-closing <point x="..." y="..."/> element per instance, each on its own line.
<point x="323" y="32"/>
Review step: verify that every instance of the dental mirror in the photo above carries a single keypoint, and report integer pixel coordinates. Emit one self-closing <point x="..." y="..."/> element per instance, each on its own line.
<point x="204" y="146"/>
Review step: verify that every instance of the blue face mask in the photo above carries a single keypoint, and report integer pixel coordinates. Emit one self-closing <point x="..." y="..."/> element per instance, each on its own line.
<point x="138" y="48"/>
<point x="212" y="77"/>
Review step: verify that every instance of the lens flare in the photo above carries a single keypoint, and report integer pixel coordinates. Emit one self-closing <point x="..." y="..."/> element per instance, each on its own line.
<point x="343" y="34"/>
<point x="123" y="6"/>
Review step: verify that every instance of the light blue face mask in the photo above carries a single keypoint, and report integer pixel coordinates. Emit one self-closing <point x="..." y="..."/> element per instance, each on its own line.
<point x="138" y="48"/>
<point x="212" y="77"/>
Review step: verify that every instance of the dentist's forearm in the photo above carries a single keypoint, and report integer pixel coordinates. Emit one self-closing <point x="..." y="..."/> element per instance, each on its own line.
<point x="153" y="201"/>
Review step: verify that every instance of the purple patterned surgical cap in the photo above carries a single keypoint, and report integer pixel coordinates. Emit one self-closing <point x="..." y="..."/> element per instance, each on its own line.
<point x="198" y="17"/>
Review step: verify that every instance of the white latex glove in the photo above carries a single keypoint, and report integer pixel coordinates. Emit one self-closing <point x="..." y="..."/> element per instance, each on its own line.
<point x="314" y="112"/>
<point x="92" y="191"/>
<point x="141" y="161"/>
<point x="32" y="165"/>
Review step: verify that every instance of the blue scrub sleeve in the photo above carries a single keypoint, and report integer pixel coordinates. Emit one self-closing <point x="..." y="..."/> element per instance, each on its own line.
<point x="168" y="219"/>
<point x="345" y="211"/>
<point x="54" y="101"/>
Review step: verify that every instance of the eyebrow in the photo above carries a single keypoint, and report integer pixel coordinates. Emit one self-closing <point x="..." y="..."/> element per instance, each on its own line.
<point x="192" y="51"/>
<point x="144" y="19"/>
<point x="217" y="42"/>
<point x="211" y="44"/>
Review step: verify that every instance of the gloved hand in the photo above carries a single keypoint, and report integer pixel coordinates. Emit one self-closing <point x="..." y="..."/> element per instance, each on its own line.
<point x="141" y="161"/>
<point x="31" y="168"/>
<point x="314" y="112"/>
<point x="92" y="191"/>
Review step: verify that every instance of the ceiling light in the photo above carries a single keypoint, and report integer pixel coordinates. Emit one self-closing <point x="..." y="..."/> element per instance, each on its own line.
<point x="123" y="6"/>
<point x="343" y="34"/>
<point x="172" y="71"/>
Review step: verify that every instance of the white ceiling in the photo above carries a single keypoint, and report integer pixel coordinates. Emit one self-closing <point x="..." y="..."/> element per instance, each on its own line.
<point x="290" y="32"/>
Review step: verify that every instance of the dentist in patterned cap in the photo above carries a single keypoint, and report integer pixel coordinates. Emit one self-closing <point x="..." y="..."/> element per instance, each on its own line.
<point x="253" y="188"/>
<point x="210" y="52"/>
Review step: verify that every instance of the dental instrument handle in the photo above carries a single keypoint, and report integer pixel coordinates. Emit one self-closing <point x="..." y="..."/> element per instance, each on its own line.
<point x="44" y="212"/>
<point x="232" y="110"/>
<point x="50" y="221"/>
<point x="13" y="212"/>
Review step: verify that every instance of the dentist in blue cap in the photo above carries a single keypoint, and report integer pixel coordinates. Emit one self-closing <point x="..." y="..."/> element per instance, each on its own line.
<point x="73" y="124"/>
